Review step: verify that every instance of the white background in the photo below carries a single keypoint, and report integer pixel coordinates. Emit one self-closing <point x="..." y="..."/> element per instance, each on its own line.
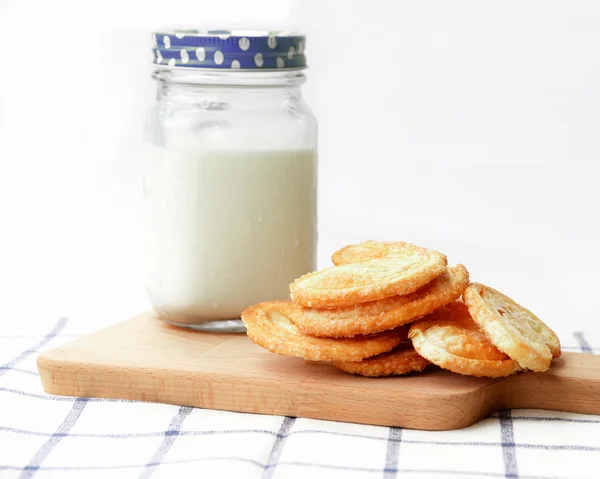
<point x="470" y="127"/>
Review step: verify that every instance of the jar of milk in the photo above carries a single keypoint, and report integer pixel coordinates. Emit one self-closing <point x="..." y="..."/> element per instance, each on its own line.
<point x="230" y="176"/>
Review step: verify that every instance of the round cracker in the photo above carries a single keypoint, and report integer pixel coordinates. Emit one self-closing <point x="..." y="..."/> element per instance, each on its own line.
<point x="268" y="325"/>
<point x="401" y="360"/>
<point x="369" y="250"/>
<point x="349" y="284"/>
<point x="450" y="339"/>
<point x="384" y="314"/>
<point x="512" y="328"/>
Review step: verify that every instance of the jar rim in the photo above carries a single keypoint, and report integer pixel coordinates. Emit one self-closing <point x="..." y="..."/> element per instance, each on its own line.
<point x="219" y="77"/>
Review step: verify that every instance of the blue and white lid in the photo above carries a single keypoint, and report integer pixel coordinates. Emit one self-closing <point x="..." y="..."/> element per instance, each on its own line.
<point x="229" y="49"/>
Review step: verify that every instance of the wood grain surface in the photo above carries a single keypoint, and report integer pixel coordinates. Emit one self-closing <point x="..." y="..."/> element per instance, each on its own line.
<point x="147" y="360"/>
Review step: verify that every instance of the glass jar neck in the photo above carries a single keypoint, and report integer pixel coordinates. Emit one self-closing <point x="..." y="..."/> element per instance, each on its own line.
<point x="253" y="86"/>
<point x="197" y="79"/>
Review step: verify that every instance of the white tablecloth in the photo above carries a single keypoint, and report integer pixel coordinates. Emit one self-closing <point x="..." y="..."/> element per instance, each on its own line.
<point x="51" y="436"/>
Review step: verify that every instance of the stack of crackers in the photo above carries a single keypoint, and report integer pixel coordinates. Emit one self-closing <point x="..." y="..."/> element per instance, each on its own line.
<point x="392" y="308"/>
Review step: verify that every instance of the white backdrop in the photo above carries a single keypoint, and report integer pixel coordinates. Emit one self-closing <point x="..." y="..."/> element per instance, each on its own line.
<point x="470" y="127"/>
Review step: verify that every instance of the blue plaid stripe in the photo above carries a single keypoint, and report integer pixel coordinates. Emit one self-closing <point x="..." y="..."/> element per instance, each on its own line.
<point x="60" y="325"/>
<point x="284" y="432"/>
<point x="279" y="435"/>
<point x="63" y="430"/>
<point x="47" y="397"/>
<point x="18" y="370"/>
<point x="555" y="419"/>
<point x="392" y="452"/>
<point x="583" y="344"/>
<point x="308" y="465"/>
<point x="507" y="435"/>
<point x="170" y="436"/>
<point x="34" y="464"/>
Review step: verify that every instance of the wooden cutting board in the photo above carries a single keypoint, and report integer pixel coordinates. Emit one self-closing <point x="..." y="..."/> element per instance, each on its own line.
<point x="147" y="360"/>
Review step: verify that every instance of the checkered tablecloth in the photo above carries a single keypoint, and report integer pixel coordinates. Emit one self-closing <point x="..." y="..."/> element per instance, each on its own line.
<point x="51" y="436"/>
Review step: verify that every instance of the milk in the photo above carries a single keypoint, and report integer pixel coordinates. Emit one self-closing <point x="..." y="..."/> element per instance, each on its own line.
<point x="226" y="229"/>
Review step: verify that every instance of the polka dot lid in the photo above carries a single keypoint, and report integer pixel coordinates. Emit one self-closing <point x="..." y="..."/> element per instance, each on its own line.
<point x="229" y="49"/>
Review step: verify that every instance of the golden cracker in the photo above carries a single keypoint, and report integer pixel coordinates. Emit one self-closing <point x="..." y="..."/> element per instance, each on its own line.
<point x="512" y="328"/>
<point x="369" y="250"/>
<point x="269" y="326"/>
<point x="450" y="339"/>
<point x="401" y="360"/>
<point x="384" y="314"/>
<point x="354" y="283"/>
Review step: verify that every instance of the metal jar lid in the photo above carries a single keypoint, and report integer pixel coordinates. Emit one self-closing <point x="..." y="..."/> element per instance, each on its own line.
<point x="229" y="49"/>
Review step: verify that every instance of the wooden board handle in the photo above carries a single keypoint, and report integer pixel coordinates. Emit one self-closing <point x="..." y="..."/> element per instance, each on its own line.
<point x="572" y="384"/>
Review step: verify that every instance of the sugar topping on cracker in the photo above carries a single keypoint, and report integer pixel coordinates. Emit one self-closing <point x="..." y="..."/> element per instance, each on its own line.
<point x="354" y="283"/>
<point x="384" y="314"/>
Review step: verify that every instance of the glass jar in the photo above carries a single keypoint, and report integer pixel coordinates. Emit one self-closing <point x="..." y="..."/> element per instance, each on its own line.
<point x="230" y="175"/>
